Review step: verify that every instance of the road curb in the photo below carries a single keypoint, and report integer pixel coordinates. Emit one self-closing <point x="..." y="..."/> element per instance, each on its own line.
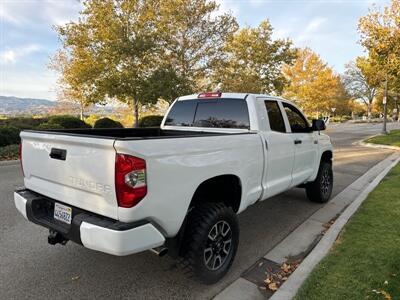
<point x="9" y="163"/>
<point x="289" y="289"/>
<point x="343" y="206"/>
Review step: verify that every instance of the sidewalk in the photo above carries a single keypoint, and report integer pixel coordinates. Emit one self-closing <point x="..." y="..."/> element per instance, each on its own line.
<point x="311" y="233"/>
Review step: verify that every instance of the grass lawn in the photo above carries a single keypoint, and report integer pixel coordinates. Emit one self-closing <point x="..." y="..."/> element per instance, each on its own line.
<point x="366" y="256"/>
<point x="392" y="139"/>
<point x="9" y="152"/>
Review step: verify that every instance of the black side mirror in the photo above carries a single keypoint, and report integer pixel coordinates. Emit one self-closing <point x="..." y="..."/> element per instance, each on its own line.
<point x="318" y="125"/>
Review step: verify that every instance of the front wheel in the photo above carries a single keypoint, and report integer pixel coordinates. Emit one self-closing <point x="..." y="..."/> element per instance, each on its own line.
<point x="320" y="189"/>
<point x="211" y="241"/>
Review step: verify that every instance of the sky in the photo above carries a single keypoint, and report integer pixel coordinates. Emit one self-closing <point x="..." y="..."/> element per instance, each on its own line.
<point x="28" y="40"/>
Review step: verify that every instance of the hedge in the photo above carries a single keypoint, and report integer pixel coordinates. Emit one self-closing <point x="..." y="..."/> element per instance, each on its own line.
<point x="9" y="135"/>
<point x="151" y="121"/>
<point x="68" y="122"/>
<point x="107" y="123"/>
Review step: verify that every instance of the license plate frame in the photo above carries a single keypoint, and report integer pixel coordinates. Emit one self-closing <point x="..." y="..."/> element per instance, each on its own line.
<point x="62" y="213"/>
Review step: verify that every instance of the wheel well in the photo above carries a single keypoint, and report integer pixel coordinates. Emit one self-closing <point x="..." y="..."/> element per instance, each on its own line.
<point x="223" y="188"/>
<point x="327" y="156"/>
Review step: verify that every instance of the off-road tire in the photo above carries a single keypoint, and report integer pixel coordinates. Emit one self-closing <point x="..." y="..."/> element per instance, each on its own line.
<point x="320" y="190"/>
<point x="205" y="221"/>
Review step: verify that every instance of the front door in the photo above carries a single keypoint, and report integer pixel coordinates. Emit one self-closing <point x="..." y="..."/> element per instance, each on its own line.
<point x="304" y="144"/>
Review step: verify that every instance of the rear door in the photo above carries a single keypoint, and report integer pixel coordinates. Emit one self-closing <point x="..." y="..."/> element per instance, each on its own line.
<point x="75" y="170"/>
<point x="279" y="151"/>
<point x="303" y="141"/>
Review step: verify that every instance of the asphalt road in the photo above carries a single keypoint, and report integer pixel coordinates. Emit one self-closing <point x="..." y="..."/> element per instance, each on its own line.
<point x="32" y="269"/>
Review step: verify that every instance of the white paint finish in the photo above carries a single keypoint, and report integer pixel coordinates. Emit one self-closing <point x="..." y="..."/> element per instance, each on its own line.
<point x="85" y="179"/>
<point x="120" y="243"/>
<point x="20" y="204"/>
<point x="175" y="170"/>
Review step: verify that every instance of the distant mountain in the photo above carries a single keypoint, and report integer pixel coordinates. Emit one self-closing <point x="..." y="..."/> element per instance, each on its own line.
<point x="14" y="105"/>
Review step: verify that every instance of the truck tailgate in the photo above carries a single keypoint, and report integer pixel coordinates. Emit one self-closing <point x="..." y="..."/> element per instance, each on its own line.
<point x="85" y="178"/>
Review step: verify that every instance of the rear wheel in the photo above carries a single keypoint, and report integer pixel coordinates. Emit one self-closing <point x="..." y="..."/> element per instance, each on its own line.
<point x="320" y="189"/>
<point x="211" y="241"/>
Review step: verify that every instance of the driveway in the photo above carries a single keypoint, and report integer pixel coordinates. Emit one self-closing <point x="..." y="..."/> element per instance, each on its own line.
<point x="32" y="269"/>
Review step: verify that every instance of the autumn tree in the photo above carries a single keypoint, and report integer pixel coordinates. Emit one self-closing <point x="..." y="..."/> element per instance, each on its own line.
<point x="253" y="61"/>
<point x="380" y="35"/>
<point x="193" y="35"/>
<point x="313" y="85"/>
<point x="362" y="80"/>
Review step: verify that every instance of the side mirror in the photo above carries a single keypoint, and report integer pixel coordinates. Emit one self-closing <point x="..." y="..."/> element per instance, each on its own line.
<point x="318" y="125"/>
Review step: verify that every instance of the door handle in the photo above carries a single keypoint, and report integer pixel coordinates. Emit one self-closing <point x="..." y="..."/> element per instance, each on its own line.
<point x="60" y="154"/>
<point x="297" y="142"/>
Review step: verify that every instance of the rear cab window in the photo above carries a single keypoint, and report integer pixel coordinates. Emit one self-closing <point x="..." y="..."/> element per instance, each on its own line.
<point x="210" y="113"/>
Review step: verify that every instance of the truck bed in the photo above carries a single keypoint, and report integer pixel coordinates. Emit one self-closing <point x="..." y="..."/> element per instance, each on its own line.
<point x="130" y="133"/>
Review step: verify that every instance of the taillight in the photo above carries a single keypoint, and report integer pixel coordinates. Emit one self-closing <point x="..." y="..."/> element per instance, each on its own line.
<point x="210" y="95"/>
<point x="130" y="179"/>
<point x="20" y="157"/>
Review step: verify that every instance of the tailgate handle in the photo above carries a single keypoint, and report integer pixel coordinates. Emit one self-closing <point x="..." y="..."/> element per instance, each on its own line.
<point x="60" y="154"/>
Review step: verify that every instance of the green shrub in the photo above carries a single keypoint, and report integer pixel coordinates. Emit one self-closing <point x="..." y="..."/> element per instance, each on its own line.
<point x="9" y="135"/>
<point x="23" y="122"/>
<point x="9" y="152"/>
<point x="48" y="125"/>
<point x="107" y="123"/>
<point x="150" y="121"/>
<point x="68" y="122"/>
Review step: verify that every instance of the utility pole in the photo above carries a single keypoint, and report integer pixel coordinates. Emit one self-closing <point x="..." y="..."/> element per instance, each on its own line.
<point x="384" y="131"/>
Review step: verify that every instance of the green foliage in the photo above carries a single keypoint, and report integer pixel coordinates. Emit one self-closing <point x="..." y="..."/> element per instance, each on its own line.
<point x="9" y="135"/>
<point x="107" y="123"/>
<point x="253" y="61"/>
<point x="49" y="125"/>
<point x="366" y="255"/>
<point x="23" y="122"/>
<point x="68" y="122"/>
<point x="9" y="152"/>
<point x="151" y="121"/>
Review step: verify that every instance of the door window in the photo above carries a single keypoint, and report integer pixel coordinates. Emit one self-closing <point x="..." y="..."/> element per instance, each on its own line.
<point x="276" y="122"/>
<point x="297" y="121"/>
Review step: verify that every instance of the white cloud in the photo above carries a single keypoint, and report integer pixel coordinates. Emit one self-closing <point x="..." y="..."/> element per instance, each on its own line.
<point x="48" y="12"/>
<point x="10" y="56"/>
<point x="228" y="6"/>
<point x="311" y="30"/>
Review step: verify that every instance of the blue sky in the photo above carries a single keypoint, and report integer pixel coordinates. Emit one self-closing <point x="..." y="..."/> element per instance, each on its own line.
<point x="27" y="40"/>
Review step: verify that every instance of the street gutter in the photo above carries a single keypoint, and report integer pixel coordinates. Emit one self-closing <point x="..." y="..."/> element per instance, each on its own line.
<point x="344" y="205"/>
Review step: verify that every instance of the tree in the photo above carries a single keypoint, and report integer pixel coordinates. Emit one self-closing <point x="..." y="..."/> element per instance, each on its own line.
<point x="193" y="35"/>
<point x="139" y="51"/>
<point x="380" y="35"/>
<point x="362" y="80"/>
<point x="253" y="61"/>
<point x="312" y="83"/>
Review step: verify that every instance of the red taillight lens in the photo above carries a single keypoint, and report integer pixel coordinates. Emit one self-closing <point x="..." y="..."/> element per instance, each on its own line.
<point x="209" y="95"/>
<point x="20" y="157"/>
<point x="130" y="179"/>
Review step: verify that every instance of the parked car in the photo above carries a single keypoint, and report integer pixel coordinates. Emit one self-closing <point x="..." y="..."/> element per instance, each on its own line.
<point x="176" y="188"/>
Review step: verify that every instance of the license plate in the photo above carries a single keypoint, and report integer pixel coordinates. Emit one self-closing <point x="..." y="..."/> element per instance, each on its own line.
<point x="62" y="213"/>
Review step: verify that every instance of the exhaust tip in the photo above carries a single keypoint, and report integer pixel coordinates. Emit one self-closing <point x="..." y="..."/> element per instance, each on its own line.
<point x="160" y="251"/>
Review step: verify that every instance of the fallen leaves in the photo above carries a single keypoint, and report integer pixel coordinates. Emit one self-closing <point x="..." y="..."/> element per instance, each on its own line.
<point x="384" y="293"/>
<point x="275" y="279"/>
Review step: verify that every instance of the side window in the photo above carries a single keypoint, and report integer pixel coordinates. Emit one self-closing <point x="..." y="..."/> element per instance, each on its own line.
<point x="296" y="119"/>
<point x="275" y="116"/>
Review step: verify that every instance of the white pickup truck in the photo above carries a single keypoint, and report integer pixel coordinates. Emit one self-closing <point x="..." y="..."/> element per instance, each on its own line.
<point x="177" y="188"/>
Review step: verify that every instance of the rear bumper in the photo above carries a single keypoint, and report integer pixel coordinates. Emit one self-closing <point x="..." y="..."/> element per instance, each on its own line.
<point x="90" y="230"/>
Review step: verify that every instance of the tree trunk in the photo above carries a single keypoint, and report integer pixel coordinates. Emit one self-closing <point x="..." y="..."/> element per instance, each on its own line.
<point x="369" y="110"/>
<point x="135" y="114"/>
<point x="81" y="108"/>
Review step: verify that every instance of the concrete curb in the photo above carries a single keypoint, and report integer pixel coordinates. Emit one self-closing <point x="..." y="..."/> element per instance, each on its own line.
<point x="289" y="289"/>
<point x="9" y="163"/>
<point x="343" y="204"/>
<point x="376" y="146"/>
